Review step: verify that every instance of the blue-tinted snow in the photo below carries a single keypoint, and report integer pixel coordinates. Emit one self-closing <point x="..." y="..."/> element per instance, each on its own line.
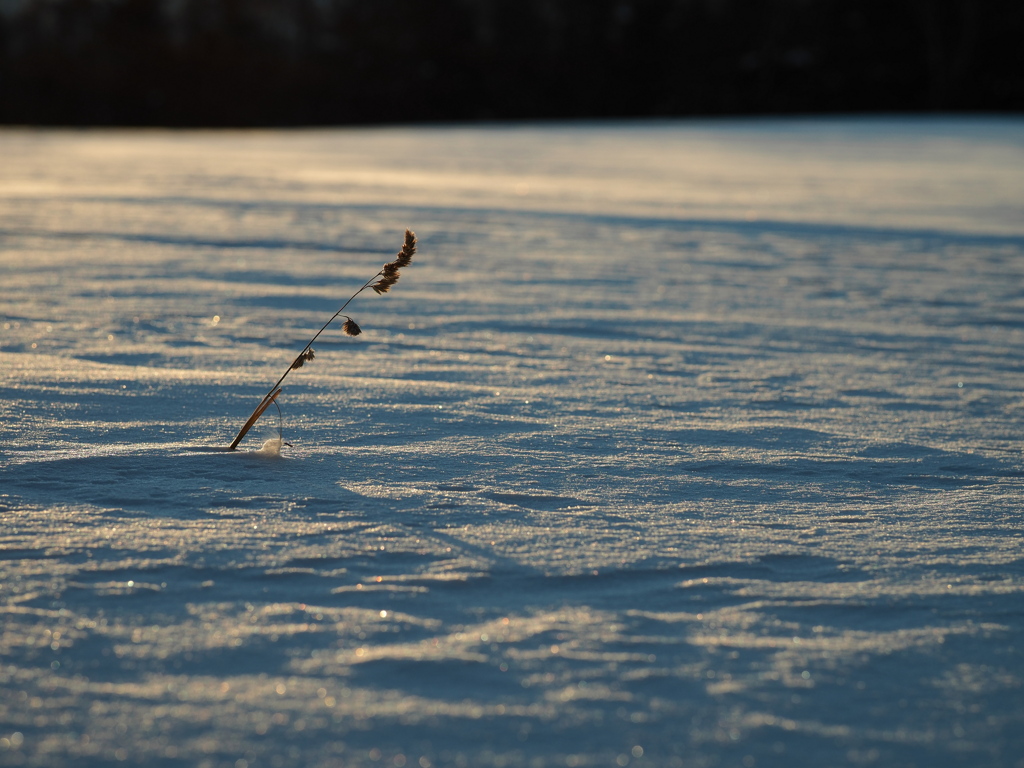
<point x="680" y="444"/>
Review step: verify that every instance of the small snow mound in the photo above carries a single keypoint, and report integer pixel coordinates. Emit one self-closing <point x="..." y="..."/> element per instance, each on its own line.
<point x="271" y="447"/>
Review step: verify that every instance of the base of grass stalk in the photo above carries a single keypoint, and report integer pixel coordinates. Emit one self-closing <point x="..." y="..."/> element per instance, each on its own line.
<point x="255" y="416"/>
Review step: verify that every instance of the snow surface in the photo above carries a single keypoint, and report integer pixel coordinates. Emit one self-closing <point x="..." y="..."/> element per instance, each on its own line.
<point x="679" y="444"/>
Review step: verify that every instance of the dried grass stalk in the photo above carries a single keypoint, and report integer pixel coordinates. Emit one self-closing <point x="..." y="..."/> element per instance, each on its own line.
<point x="264" y="404"/>
<point x="380" y="283"/>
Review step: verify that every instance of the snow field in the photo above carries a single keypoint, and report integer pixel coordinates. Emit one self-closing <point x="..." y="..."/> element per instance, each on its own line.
<point x="679" y="444"/>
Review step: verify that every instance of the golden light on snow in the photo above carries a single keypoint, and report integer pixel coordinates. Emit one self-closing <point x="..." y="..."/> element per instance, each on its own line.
<point x="703" y="450"/>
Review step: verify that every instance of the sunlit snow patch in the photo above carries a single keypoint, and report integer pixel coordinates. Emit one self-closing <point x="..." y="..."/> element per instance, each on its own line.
<point x="271" y="447"/>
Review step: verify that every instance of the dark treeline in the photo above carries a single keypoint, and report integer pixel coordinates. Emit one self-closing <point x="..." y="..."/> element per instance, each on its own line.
<point x="295" y="62"/>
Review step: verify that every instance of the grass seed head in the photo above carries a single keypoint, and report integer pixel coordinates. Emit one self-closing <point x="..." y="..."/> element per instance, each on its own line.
<point x="404" y="258"/>
<point x="389" y="273"/>
<point x="303" y="358"/>
<point x="382" y="285"/>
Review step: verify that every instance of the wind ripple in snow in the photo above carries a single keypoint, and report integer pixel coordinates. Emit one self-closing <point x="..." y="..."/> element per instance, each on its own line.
<point x="702" y="449"/>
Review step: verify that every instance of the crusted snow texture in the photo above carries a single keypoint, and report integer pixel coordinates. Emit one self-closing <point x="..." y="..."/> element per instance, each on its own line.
<point x="681" y="444"/>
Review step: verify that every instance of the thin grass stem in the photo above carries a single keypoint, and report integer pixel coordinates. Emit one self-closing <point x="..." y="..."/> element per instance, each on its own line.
<point x="380" y="282"/>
